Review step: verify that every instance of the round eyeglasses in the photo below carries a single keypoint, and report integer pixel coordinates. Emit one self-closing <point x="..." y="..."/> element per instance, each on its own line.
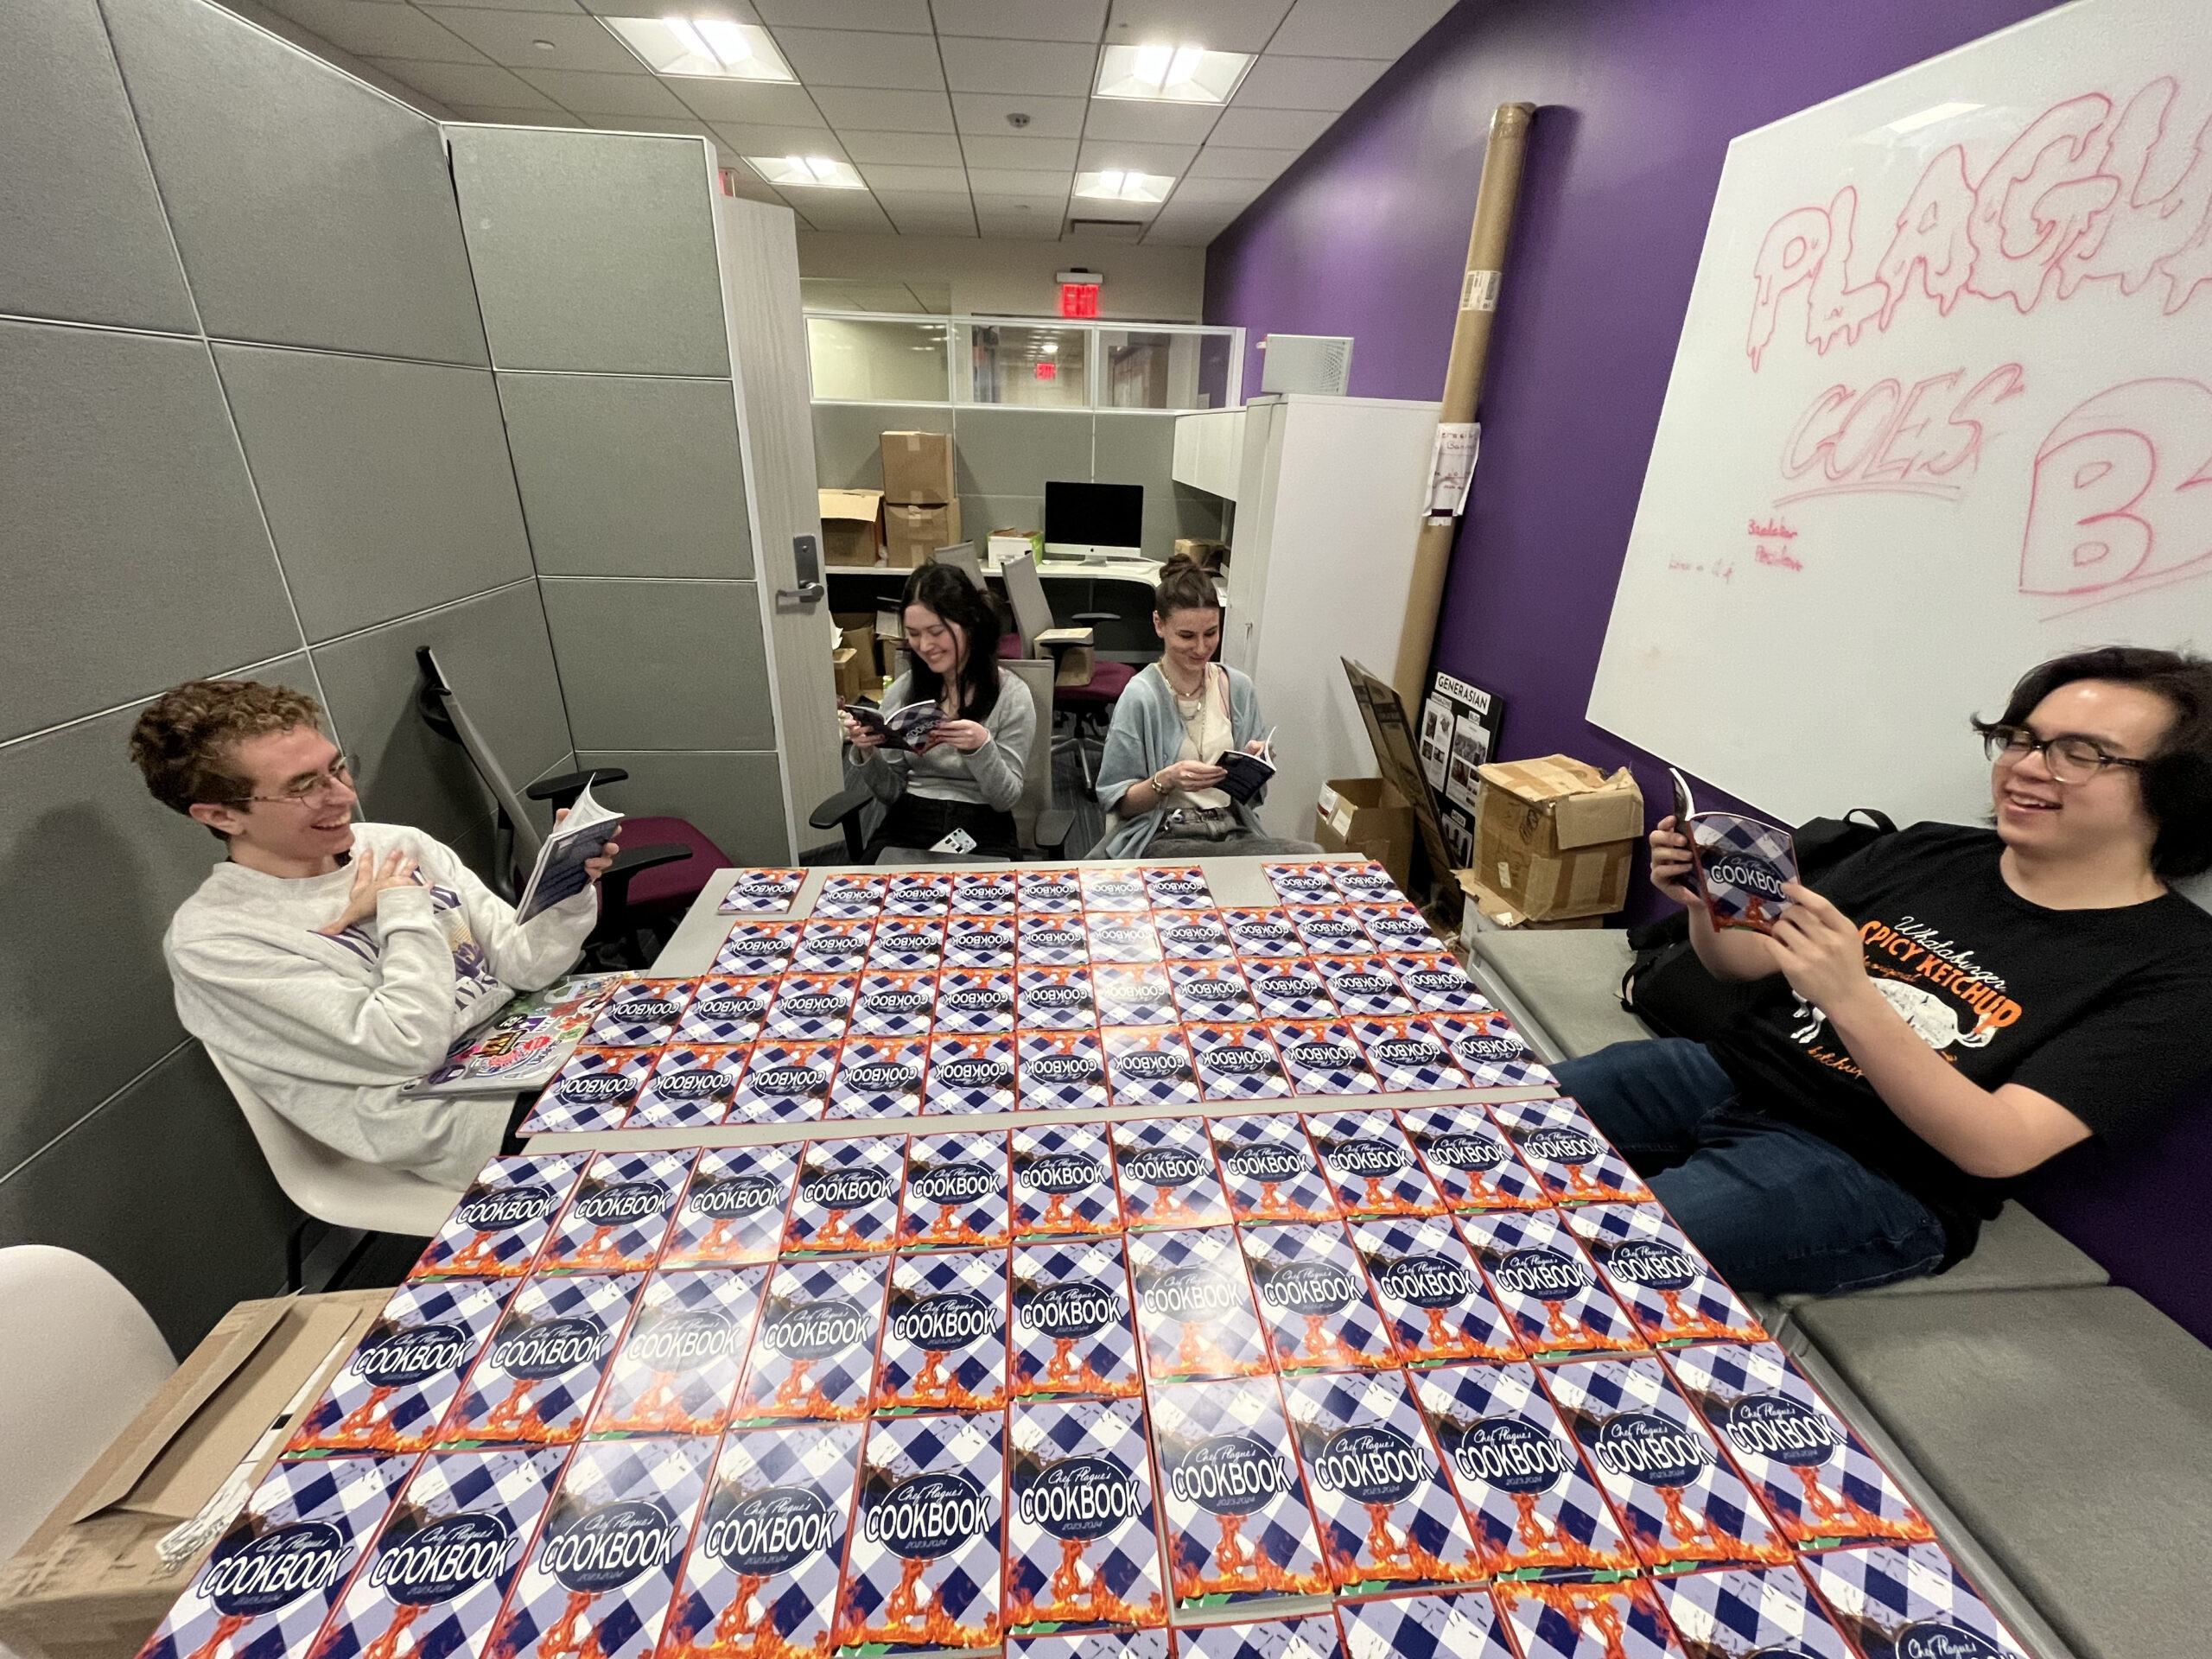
<point x="335" y="780"/>
<point x="2069" y="759"/>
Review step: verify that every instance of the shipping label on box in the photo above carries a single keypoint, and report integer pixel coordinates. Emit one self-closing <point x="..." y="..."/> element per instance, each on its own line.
<point x="879" y="1076"/>
<point x="975" y="1002"/>
<point x="955" y="1192"/>
<point x="691" y="1087"/>
<point x="1269" y="1169"/>
<point x="1063" y="1182"/>
<point x="1539" y="1275"/>
<point x="944" y="1333"/>
<point x="1432" y="1293"/>
<point x="1467" y="1157"/>
<point x="620" y="1215"/>
<point x="1081" y="1549"/>
<point x="678" y="1364"/>
<point x="849" y="1195"/>
<point x="923" y="1574"/>
<point x="1670" y="1289"/>
<point x="498" y="1228"/>
<point x="395" y="1390"/>
<point x="543" y="1367"/>
<point x="1313" y="1298"/>
<point x="1238" y="1527"/>
<point x="1166" y="1169"/>
<point x="1211" y="992"/>
<point x="1072" y="1331"/>
<point x="1371" y="1165"/>
<point x="813" y="1352"/>
<point x="1570" y="1158"/>
<point x="1194" y="1310"/>
<point x="733" y="1211"/>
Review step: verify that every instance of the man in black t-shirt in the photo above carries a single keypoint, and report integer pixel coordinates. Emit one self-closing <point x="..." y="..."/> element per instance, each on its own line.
<point x="1952" y="1007"/>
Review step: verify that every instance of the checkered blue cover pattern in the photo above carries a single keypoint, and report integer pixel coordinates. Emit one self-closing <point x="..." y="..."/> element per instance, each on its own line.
<point x="501" y="1221"/>
<point x="1367" y="882"/>
<point x="1330" y="930"/>
<point x="1363" y="986"/>
<point x="594" y="1089"/>
<point x="962" y="1585"/>
<point x="507" y="1491"/>
<point x="1313" y="1637"/>
<point x="981" y="941"/>
<point x="811" y="1008"/>
<point x="879" y="1076"/>
<point x="1535" y="1511"/>
<point x="1238" y="1062"/>
<point x="1177" y="886"/>
<point x="911" y="944"/>
<point x="1386" y="1513"/>
<point x="991" y="892"/>
<point x="785" y="1083"/>
<point x="849" y="1195"/>
<point x="1893" y="1603"/>
<point x="1055" y="999"/>
<point x="1586" y="1621"/>
<point x="732" y="1212"/>
<point x="640" y="1013"/>
<point x="1091" y="1644"/>
<point x="725" y="1010"/>
<point x="1437" y="984"/>
<point x="1119" y="888"/>
<point x="337" y="1505"/>
<point x="1150" y="1066"/>
<point x="1815" y="1477"/>
<point x="1682" y="1505"/>
<point x="1465" y="1626"/>
<point x="1366" y="1157"/>
<point x="1166" y="1168"/>
<point x="1212" y="991"/>
<point x="395" y="1389"/>
<point x="1397" y="927"/>
<point x="1198" y="1429"/>
<point x="1290" y="988"/>
<point x="944" y="1333"/>
<point x="1116" y="1577"/>
<point x="621" y="1214"/>
<point x="1575" y="1164"/>
<point x="1061" y="1070"/>
<point x="762" y="1477"/>
<point x="1122" y="938"/>
<point x="1313" y="1298"/>
<point x="499" y="1407"/>
<point x="756" y="950"/>
<point x="1077" y="1294"/>
<point x="1260" y="931"/>
<point x="800" y="1366"/>
<point x="1408" y="1055"/>
<point x="771" y="891"/>
<point x="1193" y="1307"/>
<point x="1735" y="1614"/>
<point x="975" y="1002"/>
<point x="1470" y="1159"/>
<point x="957" y="1196"/>
<point x="1056" y="893"/>
<point x="914" y="894"/>
<point x="1489" y="1050"/>
<point x="1269" y="1169"/>
<point x="1656" y="1273"/>
<point x="1541" y="1276"/>
<point x="1303" y="884"/>
<point x="1730" y="848"/>
<point x="894" y="1005"/>
<point x="1133" y="994"/>
<point x="1324" y="1057"/>
<point x="1063" y="1181"/>
<point x="850" y="896"/>
<point x="1431" y="1292"/>
<point x="679" y="1362"/>
<point x="969" y="1074"/>
<point x="691" y="1087"/>
<point x="1194" y="936"/>
<point x="1051" y="941"/>
<point x="832" y="947"/>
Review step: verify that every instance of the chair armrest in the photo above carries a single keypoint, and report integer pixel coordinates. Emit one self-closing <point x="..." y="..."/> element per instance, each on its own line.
<point x="835" y="810"/>
<point x="615" y="886"/>
<point x="1053" y="825"/>
<point x="563" y="789"/>
<point x="1062" y="638"/>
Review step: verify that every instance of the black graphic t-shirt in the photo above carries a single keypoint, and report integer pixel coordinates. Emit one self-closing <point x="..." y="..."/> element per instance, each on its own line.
<point x="2106" y="1012"/>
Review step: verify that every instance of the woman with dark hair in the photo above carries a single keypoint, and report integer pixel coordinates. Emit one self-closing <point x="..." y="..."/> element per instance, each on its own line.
<point x="1157" y="780"/>
<point x="969" y="775"/>
<point x="1953" y="1006"/>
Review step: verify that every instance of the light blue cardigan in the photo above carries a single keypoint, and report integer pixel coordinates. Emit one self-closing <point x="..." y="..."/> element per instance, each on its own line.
<point x="1147" y="734"/>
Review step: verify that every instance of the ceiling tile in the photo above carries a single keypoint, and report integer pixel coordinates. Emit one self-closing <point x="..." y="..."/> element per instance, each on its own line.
<point x="768" y="103"/>
<point x="889" y="176"/>
<point x="1279" y="82"/>
<point x="1220" y="25"/>
<point x="897" y="17"/>
<point x="379" y="31"/>
<point x="907" y="149"/>
<point x="685" y="126"/>
<point x="852" y="57"/>
<point x="1044" y="67"/>
<point x="859" y="109"/>
<point x="500" y="115"/>
<point x="1023" y="20"/>
<point x="895" y="202"/>
<point x="985" y="115"/>
<point x="840" y="210"/>
<point x="1357" y="29"/>
<point x="464" y="83"/>
<point x="736" y="10"/>
<point x="587" y="91"/>
<point x="1009" y="181"/>
<point x="1210" y="194"/>
<point x="512" y="37"/>
<point x="909" y="224"/>
<point x="1047" y="202"/>
<point x="1142" y="158"/>
<point x="1031" y="154"/>
<point x="1270" y="129"/>
<point x="751" y="138"/>
<point x="571" y="7"/>
<point x="1019" y="227"/>
<point x="1149" y="122"/>
<point x="1226" y="161"/>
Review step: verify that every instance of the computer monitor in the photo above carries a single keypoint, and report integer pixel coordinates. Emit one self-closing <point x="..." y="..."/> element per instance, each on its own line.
<point x="1094" y="521"/>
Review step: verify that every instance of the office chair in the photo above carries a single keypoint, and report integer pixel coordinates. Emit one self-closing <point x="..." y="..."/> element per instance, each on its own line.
<point x="1089" y="701"/>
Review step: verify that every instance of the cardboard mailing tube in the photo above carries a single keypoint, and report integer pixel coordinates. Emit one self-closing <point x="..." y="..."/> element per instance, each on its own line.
<point x="1463" y="377"/>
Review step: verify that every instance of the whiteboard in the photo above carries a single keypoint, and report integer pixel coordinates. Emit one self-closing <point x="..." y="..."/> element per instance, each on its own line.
<point x="1942" y="409"/>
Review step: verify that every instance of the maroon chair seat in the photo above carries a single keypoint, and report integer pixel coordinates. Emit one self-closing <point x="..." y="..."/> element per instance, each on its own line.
<point x="678" y="883"/>
<point x="1108" y="681"/>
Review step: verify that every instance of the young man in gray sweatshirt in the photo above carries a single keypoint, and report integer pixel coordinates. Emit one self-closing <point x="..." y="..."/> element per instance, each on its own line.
<point x="330" y="962"/>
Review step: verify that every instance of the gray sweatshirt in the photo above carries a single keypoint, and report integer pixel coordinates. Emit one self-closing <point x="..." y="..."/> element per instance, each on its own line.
<point x="990" y="776"/>
<point x="327" y="1027"/>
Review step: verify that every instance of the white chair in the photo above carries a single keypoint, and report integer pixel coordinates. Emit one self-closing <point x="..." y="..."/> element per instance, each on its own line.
<point x="332" y="1187"/>
<point x="80" y="1358"/>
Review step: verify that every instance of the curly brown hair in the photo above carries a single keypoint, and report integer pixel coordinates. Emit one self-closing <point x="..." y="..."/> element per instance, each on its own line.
<point x="182" y="741"/>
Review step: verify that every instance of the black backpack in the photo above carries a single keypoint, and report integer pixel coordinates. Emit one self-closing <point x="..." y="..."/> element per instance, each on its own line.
<point x="1672" y="992"/>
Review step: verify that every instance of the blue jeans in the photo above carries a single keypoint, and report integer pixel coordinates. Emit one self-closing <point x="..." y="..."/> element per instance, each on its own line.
<point x="1774" y="1207"/>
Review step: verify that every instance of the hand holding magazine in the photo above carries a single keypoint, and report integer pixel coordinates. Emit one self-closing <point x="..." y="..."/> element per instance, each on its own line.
<point x="1247" y="774"/>
<point x="1742" y="863"/>
<point x="560" y="872"/>
<point x="913" y="728"/>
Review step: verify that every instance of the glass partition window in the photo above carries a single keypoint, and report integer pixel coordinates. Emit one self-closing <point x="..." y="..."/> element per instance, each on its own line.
<point x="1159" y="369"/>
<point x="1020" y="362"/>
<point x="1034" y="366"/>
<point x="873" y="360"/>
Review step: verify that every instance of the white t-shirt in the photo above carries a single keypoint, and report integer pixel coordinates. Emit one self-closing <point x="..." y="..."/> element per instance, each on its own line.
<point x="1205" y="733"/>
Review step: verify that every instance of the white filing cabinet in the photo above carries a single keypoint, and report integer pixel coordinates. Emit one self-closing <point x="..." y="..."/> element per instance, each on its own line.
<point x="1209" y="448"/>
<point x="1328" y="506"/>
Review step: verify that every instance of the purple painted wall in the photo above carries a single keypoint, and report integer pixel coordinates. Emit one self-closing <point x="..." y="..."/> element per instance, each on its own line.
<point x="1637" y="101"/>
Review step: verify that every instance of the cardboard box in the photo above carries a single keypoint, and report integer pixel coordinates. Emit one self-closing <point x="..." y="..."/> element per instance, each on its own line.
<point x="1553" y="837"/>
<point x="911" y="534"/>
<point x="1211" y="555"/>
<point x="1005" y="544"/>
<point x="852" y="525"/>
<point x="1365" y="815"/>
<point x="917" y="469"/>
<point x="1488" y="912"/>
<point x="89" y="1583"/>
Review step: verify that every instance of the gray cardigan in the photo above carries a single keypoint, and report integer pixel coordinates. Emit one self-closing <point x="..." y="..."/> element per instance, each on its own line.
<point x="1147" y="734"/>
<point x="990" y="776"/>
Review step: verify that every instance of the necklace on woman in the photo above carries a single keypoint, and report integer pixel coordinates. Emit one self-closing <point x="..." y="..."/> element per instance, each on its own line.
<point x="1174" y="685"/>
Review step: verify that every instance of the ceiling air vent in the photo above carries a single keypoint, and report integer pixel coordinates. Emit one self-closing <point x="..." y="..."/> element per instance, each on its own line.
<point x="1107" y="230"/>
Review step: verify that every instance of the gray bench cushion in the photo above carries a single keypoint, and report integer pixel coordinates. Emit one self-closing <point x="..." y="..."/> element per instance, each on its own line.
<point x="1566" y="984"/>
<point x="2015" y="1252"/>
<point x="2070" y="1430"/>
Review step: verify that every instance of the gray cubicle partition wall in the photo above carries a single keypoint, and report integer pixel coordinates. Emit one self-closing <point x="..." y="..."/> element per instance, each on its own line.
<point x="1004" y="457"/>
<point x="250" y="427"/>
<point x="594" y="257"/>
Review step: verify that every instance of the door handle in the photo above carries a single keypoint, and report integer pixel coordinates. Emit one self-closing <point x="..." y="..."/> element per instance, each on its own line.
<point x="806" y="558"/>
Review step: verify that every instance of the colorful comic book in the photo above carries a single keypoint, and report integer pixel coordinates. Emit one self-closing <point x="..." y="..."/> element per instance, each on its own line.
<point x="1815" y="1477"/>
<point x="1061" y="1070"/>
<point x="922" y="1573"/>
<point x="1166" y="1169"/>
<point x="524" y="1045"/>
<point x="1438" y="984"/>
<point x="1177" y="886"/>
<point x="975" y="1002"/>
<point x="1063" y="1182"/>
<point x="538" y="1376"/>
<point x="770" y="891"/>
<point x="848" y="1197"/>
<point x="1464" y="1626"/>
<point x="811" y="1008"/>
<point x="1535" y="1511"/>
<point x="1903" y="1602"/>
<point x="1489" y="1050"/>
<point x="1211" y="992"/>
<point x="784" y="1082"/>
<point x="1055" y="999"/>
<point x="1193" y="935"/>
<point x="1260" y="931"/>
<point x="1150" y="1066"/>
<point x="401" y="1379"/>
<point x="1431" y="1292"/>
<point x="813" y="1352"/>
<point x="1569" y="1156"/>
<point x="1048" y="892"/>
<point x="911" y="944"/>
<point x="726" y="1011"/>
<point x="1466" y="1155"/>
<point x="1364" y="988"/>
<point x="1133" y="994"/>
<point x="689" y="1088"/>
<point x="1324" y="1057"/>
<point x="1682" y="1506"/>
<point x="1748" y="1613"/>
<point x="1238" y="1527"/>
<point x="1268" y="1170"/>
<point x="1289" y="987"/>
<point x="1586" y="1621"/>
<point x="981" y="941"/>
<point x="500" y="1224"/>
<point x="757" y="949"/>
<point x="879" y="1076"/>
<point x="1122" y="938"/>
<point x="955" y="1192"/>
<point x="594" y="1089"/>
<point x="1303" y="884"/>
<point x="1081" y="1549"/>
<point x="1386" y="1513"/>
<point x="1410" y="1055"/>
<point x="969" y="1074"/>
<point x="1539" y="1275"/>
<point x="1071" y="1330"/>
<point x="944" y="1338"/>
<point x="894" y="1005"/>
<point x="1236" y="1062"/>
<point x="1049" y="940"/>
<point x="620" y="1215"/>
<point x="1656" y="1273"/>
<point x="678" y="1365"/>
<point x="732" y="1212"/>
<point x="640" y="1013"/>
<point x="1313" y="1298"/>
<point x="1193" y="1307"/>
<point x="1371" y="1165"/>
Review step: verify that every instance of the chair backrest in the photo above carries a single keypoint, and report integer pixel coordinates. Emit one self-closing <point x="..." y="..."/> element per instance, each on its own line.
<point x="962" y="557"/>
<point x="329" y="1186"/>
<point x="79" y="1360"/>
<point x="1036" y="673"/>
<point x="439" y="697"/>
<point x="1031" y="614"/>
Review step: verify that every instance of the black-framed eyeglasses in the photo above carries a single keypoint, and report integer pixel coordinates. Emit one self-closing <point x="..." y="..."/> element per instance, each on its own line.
<point x="2069" y="759"/>
<point x="335" y="779"/>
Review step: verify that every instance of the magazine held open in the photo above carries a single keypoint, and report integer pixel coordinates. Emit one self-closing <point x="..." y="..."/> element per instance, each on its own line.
<point x="1742" y="863"/>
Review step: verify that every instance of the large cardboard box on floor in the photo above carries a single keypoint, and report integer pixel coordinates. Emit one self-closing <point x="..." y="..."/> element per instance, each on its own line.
<point x="1365" y="815"/>
<point x="1486" y="912"/>
<point x="89" y="1583"/>
<point x="1553" y="837"/>
<point x="911" y="534"/>
<point x="917" y="469"/>
<point x="852" y="525"/>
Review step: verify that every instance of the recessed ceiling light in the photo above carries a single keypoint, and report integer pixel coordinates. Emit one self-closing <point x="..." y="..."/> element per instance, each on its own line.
<point x="1115" y="184"/>
<point x="810" y="172"/>
<point x="701" y="46"/>
<point x="1179" y="74"/>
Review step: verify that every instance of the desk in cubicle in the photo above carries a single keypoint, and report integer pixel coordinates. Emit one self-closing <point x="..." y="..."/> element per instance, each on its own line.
<point x="1120" y="588"/>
